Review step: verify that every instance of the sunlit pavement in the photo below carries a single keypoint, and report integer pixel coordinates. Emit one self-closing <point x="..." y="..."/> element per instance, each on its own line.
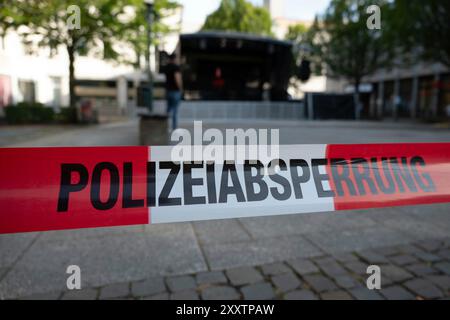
<point x="409" y="243"/>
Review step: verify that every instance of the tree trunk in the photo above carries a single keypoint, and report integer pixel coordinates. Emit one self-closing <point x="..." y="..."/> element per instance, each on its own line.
<point x="72" y="95"/>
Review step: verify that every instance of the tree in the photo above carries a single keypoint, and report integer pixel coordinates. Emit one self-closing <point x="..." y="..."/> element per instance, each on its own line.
<point x="341" y="41"/>
<point x="241" y="16"/>
<point x="422" y="27"/>
<point x="103" y="26"/>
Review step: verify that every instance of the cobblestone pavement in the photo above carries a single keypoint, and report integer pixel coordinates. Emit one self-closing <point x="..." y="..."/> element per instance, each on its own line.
<point x="415" y="271"/>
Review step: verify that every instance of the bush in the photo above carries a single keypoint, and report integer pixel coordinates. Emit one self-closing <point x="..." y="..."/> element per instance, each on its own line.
<point x="25" y="112"/>
<point x="67" y="115"/>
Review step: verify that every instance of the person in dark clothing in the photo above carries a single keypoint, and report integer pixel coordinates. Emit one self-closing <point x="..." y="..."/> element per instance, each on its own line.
<point x="174" y="87"/>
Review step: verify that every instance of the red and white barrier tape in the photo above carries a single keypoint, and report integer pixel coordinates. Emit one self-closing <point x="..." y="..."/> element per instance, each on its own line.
<point x="82" y="187"/>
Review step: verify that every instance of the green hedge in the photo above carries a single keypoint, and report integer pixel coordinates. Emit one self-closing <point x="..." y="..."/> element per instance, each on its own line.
<point x="29" y="113"/>
<point x="24" y="113"/>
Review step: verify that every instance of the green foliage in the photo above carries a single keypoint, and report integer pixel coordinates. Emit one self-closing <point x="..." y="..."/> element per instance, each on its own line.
<point x="296" y="33"/>
<point x="24" y="113"/>
<point x="240" y="16"/>
<point x="66" y="115"/>
<point x="422" y="28"/>
<point x="342" y="44"/>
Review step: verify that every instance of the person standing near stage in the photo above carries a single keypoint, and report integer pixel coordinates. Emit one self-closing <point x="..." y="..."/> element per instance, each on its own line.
<point x="174" y="88"/>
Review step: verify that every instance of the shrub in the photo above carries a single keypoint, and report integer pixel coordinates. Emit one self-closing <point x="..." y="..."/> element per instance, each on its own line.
<point x="25" y="112"/>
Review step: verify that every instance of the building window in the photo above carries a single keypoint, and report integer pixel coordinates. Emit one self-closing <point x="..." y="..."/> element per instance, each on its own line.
<point x="57" y="94"/>
<point x="27" y="90"/>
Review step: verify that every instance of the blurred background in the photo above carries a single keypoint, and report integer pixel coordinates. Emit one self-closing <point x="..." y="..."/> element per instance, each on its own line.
<point x="326" y="71"/>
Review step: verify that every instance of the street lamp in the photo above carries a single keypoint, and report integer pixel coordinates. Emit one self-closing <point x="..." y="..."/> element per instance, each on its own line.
<point x="150" y="11"/>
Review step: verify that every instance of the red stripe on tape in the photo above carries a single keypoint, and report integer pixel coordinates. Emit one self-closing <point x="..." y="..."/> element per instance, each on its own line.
<point x="382" y="175"/>
<point x="30" y="186"/>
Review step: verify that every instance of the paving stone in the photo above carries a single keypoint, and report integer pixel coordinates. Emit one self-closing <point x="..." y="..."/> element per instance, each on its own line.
<point x="387" y="251"/>
<point x="403" y="259"/>
<point x="443" y="266"/>
<point x="286" y="282"/>
<point x="274" y="269"/>
<point x="444" y="254"/>
<point x="427" y="257"/>
<point x="148" y="287"/>
<point x="212" y="277"/>
<point x="430" y="245"/>
<point x="303" y="266"/>
<point x="344" y="256"/>
<point x="424" y="288"/>
<point x="44" y="296"/>
<point x="159" y="296"/>
<point x="396" y="293"/>
<point x="220" y="293"/>
<point x="336" y="295"/>
<point x="184" y="295"/>
<point x="330" y="267"/>
<point x="372" y="257"/>
<point x="300" y="295"/>
<point x="180" y="283"/>
<point x="357" y="267"/>
<point x="244" y="275"/>
<point x="117" y="290"/>
<point x="320" y="283"/>
<point x="363" y="293"/>
<point x="421" y="269"/>
<point x="346" y="282"/>
<point x="441" y="281"/>
<point x="83" y="294"/>
<point x="258" y="291"/>
<point x="396" y="274"/>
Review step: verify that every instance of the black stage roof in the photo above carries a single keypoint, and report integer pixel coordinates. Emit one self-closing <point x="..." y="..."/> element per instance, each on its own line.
<point x="235" y="66"/>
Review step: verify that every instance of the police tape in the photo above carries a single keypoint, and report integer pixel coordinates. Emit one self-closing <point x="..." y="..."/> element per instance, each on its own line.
<point x="82" y="187"/>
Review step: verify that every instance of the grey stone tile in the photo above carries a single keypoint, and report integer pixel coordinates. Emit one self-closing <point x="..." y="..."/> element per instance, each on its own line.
<point x="286" y="282"/>
<point x="159" y="296"/>
<point x="185" y="295"/>
<point x="421" y="269"/>
<point x="427" y="257"/>
<point x="243" y="275"/>
<point x="416" y="228"/>
<point x="443" y="267"/>
<point x="403" y="259"/>
<point x="430" y="245"/>
<point x="220" y="231"/>
<point x="396" y="293"/>
<point x="83" y="294"/>
<point x="44" y="296"/>
<point x="220" y="293"/>
<point x="346" y="281"/>
<point x="357" y="267"/>
<point x="148" y="287"/>
<point x="300" y="295"/>
<point x="336" y="295"/>
<point x="441" y="281"/>
<point x="303" y="266"/>
<point x="258" y="252"/>
<point x="395" y="273"/>
<point x="13" y="245"/>
<point x="211" y="277"/>
<point x="117" y="290"/>
<point x="276" y="226"/>
<point x="356" y="240"/>
<point x="319" y="283"/>
<point x="258" y="291"/>
<point x="372" y="257"/>
<point x="121" y="258"/>
<point x="330" y="267"/>
<point x="344" y="256"/>
<point x="363" y="293"/>
<point x="445" y="254"/>
<point x="424" y="288"/>
<point x="181" y="283"/>
<point x="274" y="269"/>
